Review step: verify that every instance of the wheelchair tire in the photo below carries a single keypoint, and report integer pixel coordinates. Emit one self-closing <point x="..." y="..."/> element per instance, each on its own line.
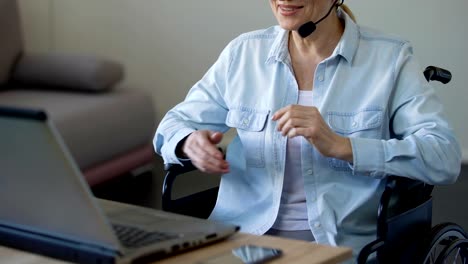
<point x="440" y="239"/>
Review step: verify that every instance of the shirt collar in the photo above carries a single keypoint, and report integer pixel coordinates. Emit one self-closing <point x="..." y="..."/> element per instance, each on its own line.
<point x="279" y="50"/>
<point x="346" y="47"/>
<point x="348" y="44"/>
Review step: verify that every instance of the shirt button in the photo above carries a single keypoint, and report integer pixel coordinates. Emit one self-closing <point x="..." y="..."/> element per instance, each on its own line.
<point x="321" y="78"/>
<point x="309" y="172"/>
<point x="245" y="121"/>
<point x="317" y="225"/>
<point x="354" y="124"/>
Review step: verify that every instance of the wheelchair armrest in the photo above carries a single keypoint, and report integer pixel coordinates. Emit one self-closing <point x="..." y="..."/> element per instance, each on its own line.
<point x="205" y="199"/>
<point x="172" y="171"/>
<point x="186" y="166"/>
<point x="400" y="195"/>
<point x="403" y="199"/>
<point x="199" y="204"/>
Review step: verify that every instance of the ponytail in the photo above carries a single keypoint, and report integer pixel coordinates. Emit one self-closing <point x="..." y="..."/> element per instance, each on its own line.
<point x="348" y="11"/>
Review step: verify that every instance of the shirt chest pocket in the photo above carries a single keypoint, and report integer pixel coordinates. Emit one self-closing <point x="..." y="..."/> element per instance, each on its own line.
<point x="366" y="123"/>
<point x="250" y="125"/>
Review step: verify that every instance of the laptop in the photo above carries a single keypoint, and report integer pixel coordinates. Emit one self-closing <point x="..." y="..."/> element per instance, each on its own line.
<point x="47" y="207"/>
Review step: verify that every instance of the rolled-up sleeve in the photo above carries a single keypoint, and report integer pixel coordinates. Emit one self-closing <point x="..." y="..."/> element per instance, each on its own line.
<point x="422" y="144"/>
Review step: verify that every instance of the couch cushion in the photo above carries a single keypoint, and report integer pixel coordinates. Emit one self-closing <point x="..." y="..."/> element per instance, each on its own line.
<point x="11" y="43"/>
<point x="95" y="127"/>
<point x="68" y="71"/>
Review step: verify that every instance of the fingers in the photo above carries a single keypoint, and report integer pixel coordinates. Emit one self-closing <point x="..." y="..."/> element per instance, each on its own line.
<point x="277" y="115"/>
<point x="295" y="131"/>
<point x="295" y="120"/>
<point x="206" y="162"/>
<point x="216" y="137"/>
<point x="292" y="117"/>
<point x="286" y="124"/>
<point x="201" y="148"/>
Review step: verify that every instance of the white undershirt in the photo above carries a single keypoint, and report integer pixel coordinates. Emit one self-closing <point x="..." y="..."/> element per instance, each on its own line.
<point x="292" y="213"/>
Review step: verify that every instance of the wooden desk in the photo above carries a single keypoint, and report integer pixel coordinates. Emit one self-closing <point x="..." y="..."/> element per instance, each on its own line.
<point x="294" y="251"/>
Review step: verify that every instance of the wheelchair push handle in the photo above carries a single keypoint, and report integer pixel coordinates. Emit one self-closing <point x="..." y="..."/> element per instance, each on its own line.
<point x="433" y="73"/>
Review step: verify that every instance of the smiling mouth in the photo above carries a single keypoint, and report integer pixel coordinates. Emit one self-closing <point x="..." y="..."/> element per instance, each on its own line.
<point x="290" y="8"/>
<point x="287" y="10"/>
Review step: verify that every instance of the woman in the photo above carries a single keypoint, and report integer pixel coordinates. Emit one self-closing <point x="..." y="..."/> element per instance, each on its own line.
<point x="321" y="121"/>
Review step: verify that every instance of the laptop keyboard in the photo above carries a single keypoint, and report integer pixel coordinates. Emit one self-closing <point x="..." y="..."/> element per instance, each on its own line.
<point x="134" y="237"/>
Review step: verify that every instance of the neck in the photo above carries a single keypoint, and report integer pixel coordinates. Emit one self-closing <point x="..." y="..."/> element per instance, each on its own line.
<point x="321" y="43"/>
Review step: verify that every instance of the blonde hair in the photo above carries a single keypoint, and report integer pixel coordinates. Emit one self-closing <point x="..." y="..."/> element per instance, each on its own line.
<point x="348" y="11"/>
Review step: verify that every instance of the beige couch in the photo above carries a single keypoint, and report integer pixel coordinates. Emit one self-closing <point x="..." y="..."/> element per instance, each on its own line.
<point x="107" y="127"/>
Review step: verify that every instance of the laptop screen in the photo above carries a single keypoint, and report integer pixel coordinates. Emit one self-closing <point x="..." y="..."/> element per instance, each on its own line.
<point x="41" y="187"/>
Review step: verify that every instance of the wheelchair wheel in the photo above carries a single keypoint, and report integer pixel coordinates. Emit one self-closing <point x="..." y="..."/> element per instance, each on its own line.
<point x="456" y="252"/>
<point x="445" y="245"/>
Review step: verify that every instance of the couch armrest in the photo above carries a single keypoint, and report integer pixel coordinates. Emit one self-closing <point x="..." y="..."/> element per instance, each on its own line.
<point x="68" y="71"/>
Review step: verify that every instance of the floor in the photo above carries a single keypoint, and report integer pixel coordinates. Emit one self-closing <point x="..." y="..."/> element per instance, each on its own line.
<point x="145" y="190"/>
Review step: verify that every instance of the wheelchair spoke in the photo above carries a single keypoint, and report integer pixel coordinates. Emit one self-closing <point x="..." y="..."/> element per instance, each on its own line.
<point x="455" y="251"/>
<point x="457" y="254"/>
<point x="442" y="236"/>
<point x="455" y="258"/>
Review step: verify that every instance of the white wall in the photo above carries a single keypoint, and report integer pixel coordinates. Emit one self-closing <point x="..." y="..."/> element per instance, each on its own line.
<point x="36" y="23"/>
<point x="167" y="45"/>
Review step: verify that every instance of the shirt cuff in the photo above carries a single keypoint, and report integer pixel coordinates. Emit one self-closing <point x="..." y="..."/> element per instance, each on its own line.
<point x="368" y="157"/>
<point x="169" y="149"/>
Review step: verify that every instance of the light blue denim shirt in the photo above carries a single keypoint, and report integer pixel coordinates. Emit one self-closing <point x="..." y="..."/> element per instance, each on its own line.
<point x="370" y="89"/>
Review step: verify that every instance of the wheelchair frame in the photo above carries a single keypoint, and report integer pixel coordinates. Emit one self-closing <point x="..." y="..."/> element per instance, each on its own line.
<point x="404" y="217"/>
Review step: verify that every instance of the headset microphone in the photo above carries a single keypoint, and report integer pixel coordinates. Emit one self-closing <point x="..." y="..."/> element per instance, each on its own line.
<point x="309" y="27"/>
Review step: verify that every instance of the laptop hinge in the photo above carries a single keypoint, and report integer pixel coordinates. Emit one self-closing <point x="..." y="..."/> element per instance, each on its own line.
<point x="56" y="247"/>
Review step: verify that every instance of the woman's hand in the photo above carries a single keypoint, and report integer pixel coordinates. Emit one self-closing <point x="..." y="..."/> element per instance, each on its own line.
<point x="200" y="147"/>
<point x="298" y="120"/>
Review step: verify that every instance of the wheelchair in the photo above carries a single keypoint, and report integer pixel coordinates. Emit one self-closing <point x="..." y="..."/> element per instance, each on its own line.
<point x="404" y="217"/>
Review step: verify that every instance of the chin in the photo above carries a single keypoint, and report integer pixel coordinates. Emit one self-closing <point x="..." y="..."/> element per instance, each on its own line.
<point x="289" y="26"/>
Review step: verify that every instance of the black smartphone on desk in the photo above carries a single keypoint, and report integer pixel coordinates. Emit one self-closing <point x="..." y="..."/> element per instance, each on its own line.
<point x="246" y="254"/>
